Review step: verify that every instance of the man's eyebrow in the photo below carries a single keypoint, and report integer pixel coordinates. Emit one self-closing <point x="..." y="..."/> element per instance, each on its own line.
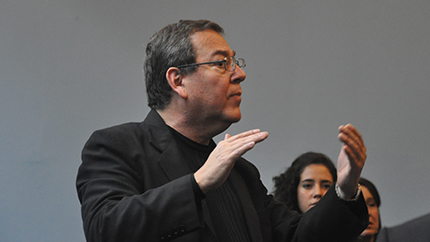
<point x="223" y="52"/>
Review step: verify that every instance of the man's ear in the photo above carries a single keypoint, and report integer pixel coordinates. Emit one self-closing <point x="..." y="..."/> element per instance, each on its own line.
<point x="174" y="78"/>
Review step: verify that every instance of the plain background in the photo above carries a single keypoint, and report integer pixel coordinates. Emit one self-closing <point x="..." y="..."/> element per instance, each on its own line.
<point x="69" y="67"/>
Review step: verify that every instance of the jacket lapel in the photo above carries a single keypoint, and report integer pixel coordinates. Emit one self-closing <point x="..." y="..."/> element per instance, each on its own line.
<point x="160" y="136"/>
<point x="170" y="160"/>
<point x="172" y="163"/>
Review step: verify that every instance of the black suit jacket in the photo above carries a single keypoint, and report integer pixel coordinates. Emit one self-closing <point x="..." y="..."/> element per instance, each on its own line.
<point x="134" y="185"/>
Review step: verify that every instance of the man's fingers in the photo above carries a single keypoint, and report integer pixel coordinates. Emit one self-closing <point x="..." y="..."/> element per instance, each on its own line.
<point x="351" y="132"/>
<point x="243" y="135"/>
<point x="248" y="142"/>
<point x="249" y="136"/>
<point x="239" y="144"/>
<point x="353" y="141"/>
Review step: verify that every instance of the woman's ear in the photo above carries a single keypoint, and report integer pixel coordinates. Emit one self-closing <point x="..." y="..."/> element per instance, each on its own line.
<point x="174" y="78"/>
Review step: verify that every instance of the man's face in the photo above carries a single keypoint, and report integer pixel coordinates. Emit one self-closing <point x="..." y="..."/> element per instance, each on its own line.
<point x="214" y="93"/>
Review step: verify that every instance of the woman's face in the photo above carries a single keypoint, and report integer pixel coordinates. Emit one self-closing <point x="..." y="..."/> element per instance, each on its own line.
<point x="315" y="180"/>
<point x="373" y="227"/>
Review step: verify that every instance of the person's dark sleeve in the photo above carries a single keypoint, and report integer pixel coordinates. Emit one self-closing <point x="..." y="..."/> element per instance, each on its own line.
<point x="117" y="202"/>
<point x="332" y="219"/>
<point x="198" y="193"/>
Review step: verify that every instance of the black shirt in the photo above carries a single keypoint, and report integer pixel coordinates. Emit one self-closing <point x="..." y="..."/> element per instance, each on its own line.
<point x="223" y="202"/>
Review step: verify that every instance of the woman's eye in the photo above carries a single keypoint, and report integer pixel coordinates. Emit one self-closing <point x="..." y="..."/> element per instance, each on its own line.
<point x="307" y="186"/>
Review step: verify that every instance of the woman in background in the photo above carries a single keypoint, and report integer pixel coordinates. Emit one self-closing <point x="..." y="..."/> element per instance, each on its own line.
<point x="303" y="184"/>
<point x="373" y="201"/>
<point x="309" y="177"/>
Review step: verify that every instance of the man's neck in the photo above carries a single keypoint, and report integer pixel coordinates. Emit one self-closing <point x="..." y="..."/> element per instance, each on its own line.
<point x="188" y="128"/>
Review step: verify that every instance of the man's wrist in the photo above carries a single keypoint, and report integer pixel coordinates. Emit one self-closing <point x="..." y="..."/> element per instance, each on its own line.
<point x="355" y="198"/>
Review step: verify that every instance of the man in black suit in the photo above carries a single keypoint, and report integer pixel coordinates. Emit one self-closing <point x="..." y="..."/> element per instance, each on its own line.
<point x="165" y="179"/>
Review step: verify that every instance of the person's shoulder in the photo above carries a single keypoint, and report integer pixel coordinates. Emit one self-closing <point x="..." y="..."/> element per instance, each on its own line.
<point x="120" y="128"/>
<point x="118" y="133"/>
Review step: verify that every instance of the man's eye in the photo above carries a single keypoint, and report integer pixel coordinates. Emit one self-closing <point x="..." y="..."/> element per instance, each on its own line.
<point x="219" y="64"/>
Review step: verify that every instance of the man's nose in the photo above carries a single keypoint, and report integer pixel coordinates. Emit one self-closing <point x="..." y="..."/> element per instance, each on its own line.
<point x="238" y="75"/>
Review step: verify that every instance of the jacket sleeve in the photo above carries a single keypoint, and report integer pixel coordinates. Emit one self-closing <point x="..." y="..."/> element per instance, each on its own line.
<point x="119" y="202"/>
<point x="332" y="219"/>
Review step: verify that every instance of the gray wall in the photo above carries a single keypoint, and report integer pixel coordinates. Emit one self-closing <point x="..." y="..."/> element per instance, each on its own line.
<point x="69" y="67"/>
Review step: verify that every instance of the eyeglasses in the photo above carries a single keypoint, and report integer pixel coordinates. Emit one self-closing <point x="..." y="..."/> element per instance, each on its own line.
<point x="229" y="63"/>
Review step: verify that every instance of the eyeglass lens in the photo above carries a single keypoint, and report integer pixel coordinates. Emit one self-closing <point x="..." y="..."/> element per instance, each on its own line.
<point x="231" y="63"/>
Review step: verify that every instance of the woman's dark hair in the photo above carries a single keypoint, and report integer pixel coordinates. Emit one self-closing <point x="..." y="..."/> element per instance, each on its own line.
<point x="372" y="189"/>
<point x="170" y="47"/>
<point x="286" y="184"/>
